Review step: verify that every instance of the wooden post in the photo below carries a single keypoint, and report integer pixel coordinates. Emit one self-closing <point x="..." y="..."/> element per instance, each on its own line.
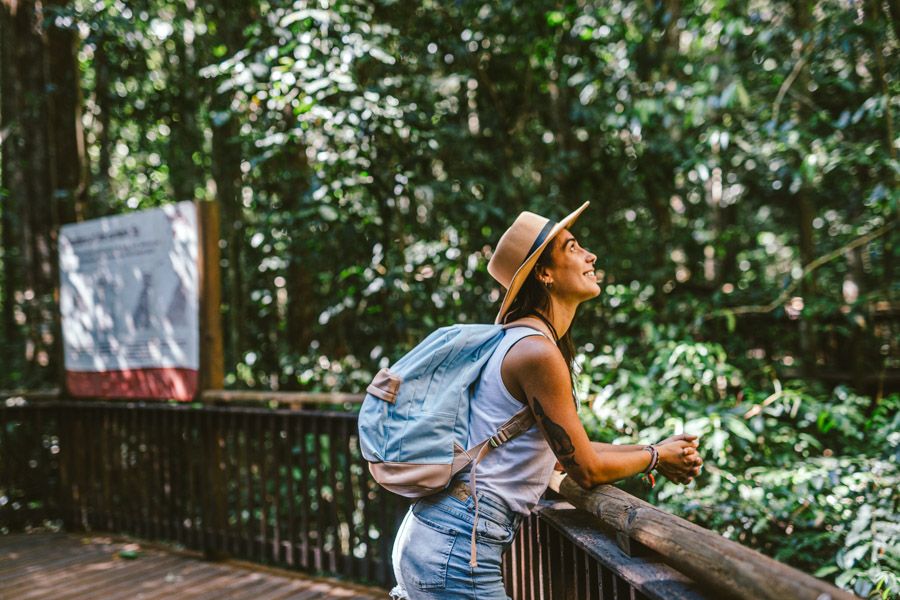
<point x="212" y="361"/>
<point x="211" y="377"/>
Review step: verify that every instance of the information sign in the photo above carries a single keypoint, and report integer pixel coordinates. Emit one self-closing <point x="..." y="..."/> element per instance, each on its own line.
<point x="129" y="302"/>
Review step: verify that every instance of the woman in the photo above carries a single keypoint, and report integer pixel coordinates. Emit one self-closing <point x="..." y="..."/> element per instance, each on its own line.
<point x="547" y="274"/>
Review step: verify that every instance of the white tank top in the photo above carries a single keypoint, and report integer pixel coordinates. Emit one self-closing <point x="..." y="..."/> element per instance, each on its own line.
<point x="519" y="470"/>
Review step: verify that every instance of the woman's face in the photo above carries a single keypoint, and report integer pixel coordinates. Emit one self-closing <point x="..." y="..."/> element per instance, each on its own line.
<point x="572" y="270"/>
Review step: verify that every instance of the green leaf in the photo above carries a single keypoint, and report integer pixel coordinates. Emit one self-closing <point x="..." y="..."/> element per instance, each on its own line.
<point x="555" y="18"/>
<point x="730" y="321"/>
<point x="825" y="421"/>
<point x="328" y="212"/>
<point x="740" y="429"/>
<point x="827" y="570"/>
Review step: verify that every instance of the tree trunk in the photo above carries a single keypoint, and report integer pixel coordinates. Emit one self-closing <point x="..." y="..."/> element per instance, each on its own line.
<point x="41" y="221"/>
<point x="660" y="180"/>
<point x="856" y="277"/>
<point x="12" y="182"/>
<point x="103" y="98"/>
<point x="226" y="172"/>
<point x="69" y="195"/>
<point x="186" y="139"/>
<point x="43" y="173"/>
<point x="230" y="17"/>
<point x="806" y="211"/>
<point x="65" y="103"/>
<point x="31" y="174"/>
<point x="301" y="304"/>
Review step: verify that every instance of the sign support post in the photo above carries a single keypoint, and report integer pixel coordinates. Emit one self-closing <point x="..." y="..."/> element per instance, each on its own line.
<point x="212" y="377"/>
<point x="212" y="361"/>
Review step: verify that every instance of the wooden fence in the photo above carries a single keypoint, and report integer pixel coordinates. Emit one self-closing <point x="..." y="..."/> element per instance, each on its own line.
<point x="618" y="546"/>
<point x="277" y="486"/>
<point x="279" y="479"/>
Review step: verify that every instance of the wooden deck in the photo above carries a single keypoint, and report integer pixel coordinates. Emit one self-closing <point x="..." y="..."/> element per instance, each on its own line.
<point x="67" y="566"/>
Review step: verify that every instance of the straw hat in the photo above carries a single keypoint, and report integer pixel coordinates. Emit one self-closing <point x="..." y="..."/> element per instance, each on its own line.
<point x="518" y="251"/>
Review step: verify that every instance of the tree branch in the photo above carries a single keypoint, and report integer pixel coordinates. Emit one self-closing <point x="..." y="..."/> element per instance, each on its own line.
<point x="785" y="86"/>
<point x="812" y="266"/>
<point x="757" y="408"/>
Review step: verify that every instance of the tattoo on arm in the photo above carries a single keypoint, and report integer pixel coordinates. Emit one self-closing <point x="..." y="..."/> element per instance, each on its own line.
<point x="568" y="462"/>
<point x="559" y="439"/>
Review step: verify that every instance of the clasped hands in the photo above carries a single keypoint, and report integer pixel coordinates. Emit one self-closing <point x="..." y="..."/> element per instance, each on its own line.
<point x="678" y="458"/>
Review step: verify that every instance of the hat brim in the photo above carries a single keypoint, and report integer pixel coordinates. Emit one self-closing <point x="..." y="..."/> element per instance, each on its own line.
<point x="522" y="272"/>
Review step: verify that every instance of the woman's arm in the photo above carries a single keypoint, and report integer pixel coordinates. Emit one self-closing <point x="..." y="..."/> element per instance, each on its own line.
<point x="535" y="372"/>
<point x="604" y="447"/>
<point x="675" y="474"/>
<point x="672" y="474"/>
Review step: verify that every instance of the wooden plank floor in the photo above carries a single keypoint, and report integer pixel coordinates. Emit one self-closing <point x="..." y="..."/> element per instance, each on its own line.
<point x="68" y="567"/>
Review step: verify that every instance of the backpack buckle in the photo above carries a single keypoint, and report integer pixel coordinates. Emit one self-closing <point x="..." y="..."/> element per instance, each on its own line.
<point x="498" y="439"/>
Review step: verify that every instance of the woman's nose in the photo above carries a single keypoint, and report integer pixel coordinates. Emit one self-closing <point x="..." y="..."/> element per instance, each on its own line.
<point x="592" y="260"/>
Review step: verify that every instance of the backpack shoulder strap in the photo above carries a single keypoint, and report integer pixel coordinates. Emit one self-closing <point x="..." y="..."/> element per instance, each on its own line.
<point x="516" y="425"/>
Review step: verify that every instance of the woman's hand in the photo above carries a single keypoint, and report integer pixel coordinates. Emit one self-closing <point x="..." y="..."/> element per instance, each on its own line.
<point x="687" y="437"/>
<point x="679" y="459"/>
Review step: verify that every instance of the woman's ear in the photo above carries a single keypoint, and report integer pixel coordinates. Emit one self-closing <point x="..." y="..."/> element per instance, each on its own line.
<point x="542" y="274"/>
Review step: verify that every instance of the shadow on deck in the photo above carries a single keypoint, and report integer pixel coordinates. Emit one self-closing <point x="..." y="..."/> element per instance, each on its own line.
<point x="66" y="566"/>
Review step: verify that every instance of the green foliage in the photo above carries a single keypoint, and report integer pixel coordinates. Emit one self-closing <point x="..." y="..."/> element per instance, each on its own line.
<point x="809" y="481"/>
<point x="374" y="151"/>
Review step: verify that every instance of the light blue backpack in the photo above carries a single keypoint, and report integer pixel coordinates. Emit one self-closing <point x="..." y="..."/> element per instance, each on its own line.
<point x="414" y="421"/>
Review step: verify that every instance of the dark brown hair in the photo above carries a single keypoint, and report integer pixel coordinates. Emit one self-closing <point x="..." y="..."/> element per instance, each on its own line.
<point x="534" y="299"/>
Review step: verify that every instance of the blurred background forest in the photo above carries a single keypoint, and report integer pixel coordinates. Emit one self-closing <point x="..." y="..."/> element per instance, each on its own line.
<point x="740" y="157"/>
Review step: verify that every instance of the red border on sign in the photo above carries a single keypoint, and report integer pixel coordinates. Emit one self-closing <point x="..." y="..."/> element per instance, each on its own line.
<point x="166" y="383"/>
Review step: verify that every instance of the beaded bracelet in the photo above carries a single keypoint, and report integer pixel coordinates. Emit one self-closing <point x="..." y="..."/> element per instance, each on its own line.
<point x="654" y="458"/>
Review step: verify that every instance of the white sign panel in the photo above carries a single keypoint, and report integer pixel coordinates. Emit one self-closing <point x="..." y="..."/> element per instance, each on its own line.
<point x="129" y="302"/>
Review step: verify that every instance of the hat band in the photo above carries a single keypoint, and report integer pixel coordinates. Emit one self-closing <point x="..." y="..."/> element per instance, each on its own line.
<point x="540" y="238"/>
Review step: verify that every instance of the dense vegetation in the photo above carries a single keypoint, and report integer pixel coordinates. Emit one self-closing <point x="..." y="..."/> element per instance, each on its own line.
<point x="741" y="160"/>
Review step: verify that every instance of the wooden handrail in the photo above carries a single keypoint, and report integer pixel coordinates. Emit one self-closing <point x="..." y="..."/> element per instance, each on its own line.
<point x="30" y="395"/>
<point x="699" y="553"/>
<point x="292" y="398"/>
<point x="219" y="397"/>
<point x="277" y="486"/>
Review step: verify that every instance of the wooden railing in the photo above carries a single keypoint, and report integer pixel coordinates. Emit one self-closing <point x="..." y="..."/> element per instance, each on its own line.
<point x="278" y="486"/>
<point x="278" y="479"/>
<point x="614" y="545"/>
<point x="562" y="553"/>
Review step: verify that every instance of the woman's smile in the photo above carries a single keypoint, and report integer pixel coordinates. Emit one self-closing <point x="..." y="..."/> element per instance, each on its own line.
<point x="569" y="257"/>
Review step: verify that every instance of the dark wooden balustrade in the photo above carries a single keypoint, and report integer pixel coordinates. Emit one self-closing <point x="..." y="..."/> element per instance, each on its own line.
<point x="278" y="479"/>
<point x="277" y="486"/>
<point x="727" y="567"/>
<point x="612" y="545"/>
